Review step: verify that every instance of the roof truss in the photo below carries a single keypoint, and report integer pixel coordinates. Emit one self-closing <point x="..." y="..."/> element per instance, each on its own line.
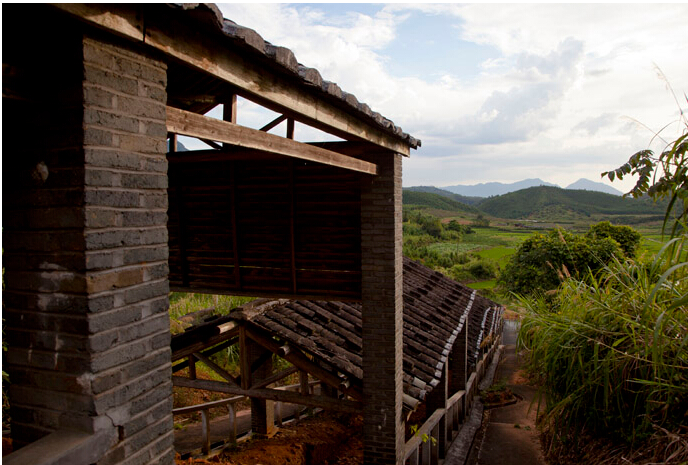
<point x="254" y="80"/>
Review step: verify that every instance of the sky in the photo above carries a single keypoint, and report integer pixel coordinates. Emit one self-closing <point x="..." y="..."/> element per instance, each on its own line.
<point x="496" y="92"/>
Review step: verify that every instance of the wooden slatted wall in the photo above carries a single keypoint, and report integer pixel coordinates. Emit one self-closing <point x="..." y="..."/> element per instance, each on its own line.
<point x="270" y="226"/>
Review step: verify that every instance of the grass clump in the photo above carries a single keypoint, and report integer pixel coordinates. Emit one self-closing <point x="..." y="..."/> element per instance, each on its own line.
<point x="611" y="352"/>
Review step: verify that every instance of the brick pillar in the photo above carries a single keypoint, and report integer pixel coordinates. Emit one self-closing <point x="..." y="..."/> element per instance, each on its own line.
<point x="87" y="302"/>
<point x="382" y="312"/>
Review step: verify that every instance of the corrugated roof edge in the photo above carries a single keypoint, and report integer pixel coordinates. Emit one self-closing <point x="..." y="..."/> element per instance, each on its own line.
<point x="287" y="61"/>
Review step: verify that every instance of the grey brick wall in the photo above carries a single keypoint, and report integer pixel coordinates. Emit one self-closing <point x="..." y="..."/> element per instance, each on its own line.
<point x="125" y="203"/>
<point x="382" y="295"/>
<point x="86" y="248"/>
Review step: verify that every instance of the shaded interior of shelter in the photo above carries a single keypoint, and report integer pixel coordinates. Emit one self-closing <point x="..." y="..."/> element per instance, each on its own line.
<point x="250" y="223"/>
<point x="437" y="310"/>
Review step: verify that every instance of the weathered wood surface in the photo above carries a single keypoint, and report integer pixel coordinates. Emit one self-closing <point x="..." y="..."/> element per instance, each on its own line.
<point x="255" y="227"/>
<point x="191" y="124"/>
<point x="327" y="403"/>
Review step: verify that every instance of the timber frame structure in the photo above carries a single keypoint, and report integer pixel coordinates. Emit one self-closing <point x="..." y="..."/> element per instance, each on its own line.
<point x="450" y="334"/>
<point x="103" y="216"/>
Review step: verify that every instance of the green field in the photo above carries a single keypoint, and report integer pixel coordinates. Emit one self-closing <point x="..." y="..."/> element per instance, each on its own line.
<point x="483" y="284"/>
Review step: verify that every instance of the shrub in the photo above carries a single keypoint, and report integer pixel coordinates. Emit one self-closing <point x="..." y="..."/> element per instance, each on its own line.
<point x="627" y="237"/>
<point x="542" y="262"/>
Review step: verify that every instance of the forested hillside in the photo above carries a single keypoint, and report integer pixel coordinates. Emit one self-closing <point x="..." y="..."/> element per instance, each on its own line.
<point x="446" y="193"/>
<point x="426" y="199"/>
<point x="541" y="201"/>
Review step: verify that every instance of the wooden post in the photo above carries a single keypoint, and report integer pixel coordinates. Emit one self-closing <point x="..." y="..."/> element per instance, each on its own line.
<point x="290" y="128"/>
<point x="232" y="423"/>
<point x="205" y="420"/>
<point x="262" y="410"/>
<point x="305" y="388"/>
<point x="229" y="112"/>
<point x="192" y="367"/>
<point x="435" y="446"/>
<point x="244" y="361"/>
<point x="458" y="361"/>
<point x="278" y="412"/>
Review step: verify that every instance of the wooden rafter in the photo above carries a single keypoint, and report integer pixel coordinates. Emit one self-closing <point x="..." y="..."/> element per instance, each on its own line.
<point x="299" y="360"/>
<point x="273" y="123"/>
<point x="274" y="378"/>
<point x="207" y="353"/>
<point x="217" y="369"/>
<point x="194" y="125"/>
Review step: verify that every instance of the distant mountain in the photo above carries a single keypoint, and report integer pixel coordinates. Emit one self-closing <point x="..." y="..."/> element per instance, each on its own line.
<point x="495" y="188"/>
<point x="445" y="193"/>
<point x="588" y="185"/>
<point x="555" y="202"/>
<point x="431" y="200"/>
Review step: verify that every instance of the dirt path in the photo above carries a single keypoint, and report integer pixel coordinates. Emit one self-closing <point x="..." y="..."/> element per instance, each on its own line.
<point x="509" y="435"/>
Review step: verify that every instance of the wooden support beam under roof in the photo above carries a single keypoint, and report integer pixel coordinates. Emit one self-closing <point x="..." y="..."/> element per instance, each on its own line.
<point x="206" y="51"/>
<point x="326" y="403"/>
<point x="194" y="125"/>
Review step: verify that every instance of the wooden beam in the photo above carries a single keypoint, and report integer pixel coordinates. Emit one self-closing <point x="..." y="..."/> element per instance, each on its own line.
<point x="299" y="360"/>
<point x="122" y="20"/>
<point x="179" y="38"/>
<point x="214" y="145"/>
<point x="274" y="378"/>
<point x="207" y="341"/>
<point x="216" y="368"/>
<point x="207" y="353"/>
<point x="327" y="403"/>
<point x="202" y="127"/>
<point x="244" y="362"/>
<point x="273" y="123"/>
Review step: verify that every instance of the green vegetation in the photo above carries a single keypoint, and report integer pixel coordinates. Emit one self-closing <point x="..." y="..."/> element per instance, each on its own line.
<point x="543" y="261"/>
<point x="611" y="349"/>
<point x="627" y="237"/>
<point x="547" y="203"/>
<point x="427" y="199"/>
<point x="444" y="193"/>
<point x="182" y="304"/>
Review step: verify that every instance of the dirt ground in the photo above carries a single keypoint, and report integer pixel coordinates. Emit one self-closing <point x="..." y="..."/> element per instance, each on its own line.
<point x="327" y="439"/>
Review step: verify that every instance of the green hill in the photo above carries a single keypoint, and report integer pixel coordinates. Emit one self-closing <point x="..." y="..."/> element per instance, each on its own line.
<point x="439" y="202"/>
<point x="446" y="193"/>
<point x="545" y="202"/>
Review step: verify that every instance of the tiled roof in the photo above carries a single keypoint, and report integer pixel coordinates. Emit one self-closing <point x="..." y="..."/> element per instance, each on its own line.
<point x="436" y="309"/>
<point x="284" y="60"/>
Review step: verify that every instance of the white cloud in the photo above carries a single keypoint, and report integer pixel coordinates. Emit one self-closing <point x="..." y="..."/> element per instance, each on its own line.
<point x="551" y="103"/>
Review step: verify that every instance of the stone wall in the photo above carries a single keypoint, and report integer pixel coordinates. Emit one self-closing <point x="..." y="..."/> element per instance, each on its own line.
<point x="85" y="244"/>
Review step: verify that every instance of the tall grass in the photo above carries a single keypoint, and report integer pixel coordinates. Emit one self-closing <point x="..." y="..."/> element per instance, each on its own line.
<point x="612" y="350"/>
<point x="182" y="303"/>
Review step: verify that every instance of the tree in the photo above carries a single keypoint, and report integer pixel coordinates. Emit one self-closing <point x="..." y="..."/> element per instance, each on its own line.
<point x="627" y="237"/>
<point x="668" y="173"/>
<point x="542" y="262"/>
